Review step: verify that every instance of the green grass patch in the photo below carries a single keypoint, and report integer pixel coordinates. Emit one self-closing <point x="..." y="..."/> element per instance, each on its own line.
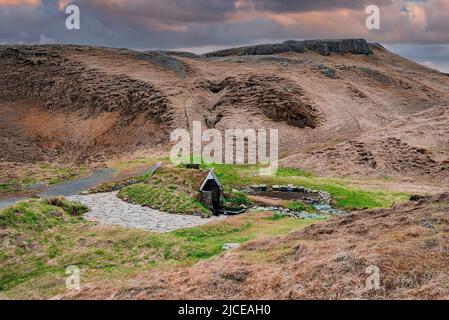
<point x="56" y="174"/>
<point x="19" y="180"/>
<point x="298" y="206"/>
<point x="36" y="249"/>
<point x="40" y="214"/>
<point x="290" y="172"/>
<point x="165" y="198"/>
<point x="345" y="196"/>
<point x="73" y="208"/>
<point x="236" y="199"/>
<point x="132" y="163"/>
<point x="10" y="186"/>
<point x="275" y="217"/>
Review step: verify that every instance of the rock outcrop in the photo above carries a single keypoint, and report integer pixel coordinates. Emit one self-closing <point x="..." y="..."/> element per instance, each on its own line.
<point x="323" y="47"/>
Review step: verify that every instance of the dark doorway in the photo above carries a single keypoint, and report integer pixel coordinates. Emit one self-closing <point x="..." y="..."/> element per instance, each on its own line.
<point x="212" y="195"/>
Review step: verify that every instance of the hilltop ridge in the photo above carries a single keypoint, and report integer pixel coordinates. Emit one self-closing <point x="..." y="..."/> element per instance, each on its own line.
<point x="323" y="47"/>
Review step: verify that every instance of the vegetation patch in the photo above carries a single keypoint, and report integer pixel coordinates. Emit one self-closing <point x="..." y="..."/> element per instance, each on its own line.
<point x="15" y="180"/>
<point x="275" y="217"/>
<point x="38" y="244"/>
<point x="127" y="164"/>
<point x="298" y="206"/>
<point x="237" y="199"/>
<point x="164" y="198"/>
<point x="41" y="214"/>
<point x="346" y="197"/>
<point x="73" y="208"/>
<point x="10" y="186"/>
<point x="290" y="172"/>
<point x="173" y="190"/>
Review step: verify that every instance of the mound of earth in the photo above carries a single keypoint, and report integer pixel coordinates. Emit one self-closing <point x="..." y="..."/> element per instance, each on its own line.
<point x="406" y="245"/>
<point x="173" y="190"/>
<point x="388" y="157"/>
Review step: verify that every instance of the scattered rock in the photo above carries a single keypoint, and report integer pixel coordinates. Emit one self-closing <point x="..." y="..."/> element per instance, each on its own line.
<point x="306" y="195"/>
<point x="427" y="224"/>
<point x="342" y="256"/>
<point x="292" y="214"/>
<point x="327" y="209"/>
<point x="239" y="275"/>
<point x="327" y="71"/>
<point x="165" y="61"/>
<point x="229" y="246"/>
<point x="259" y="187"/>
<point x="417" y="198"/>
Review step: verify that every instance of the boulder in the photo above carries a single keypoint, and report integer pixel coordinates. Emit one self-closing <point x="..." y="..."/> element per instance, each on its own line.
<point x="296" y="46"/>
<point x="259" y="187"/>
<point x="229" y="246"/>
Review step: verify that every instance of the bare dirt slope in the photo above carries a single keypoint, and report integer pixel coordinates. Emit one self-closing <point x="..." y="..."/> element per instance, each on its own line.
<point x="350" y="109"/>
<point x="329" y="260"/>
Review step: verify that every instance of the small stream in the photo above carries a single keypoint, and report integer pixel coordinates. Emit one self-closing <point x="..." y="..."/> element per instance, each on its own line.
<point x="322" y="205"/>
<point x="68" y="188"/>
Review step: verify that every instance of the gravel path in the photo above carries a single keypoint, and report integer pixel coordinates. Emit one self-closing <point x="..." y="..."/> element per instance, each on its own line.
<point x="108" y="209"/>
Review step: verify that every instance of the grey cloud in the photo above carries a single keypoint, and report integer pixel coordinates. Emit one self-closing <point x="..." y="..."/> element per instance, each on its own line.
<point x="172" y="24"/>
<point x="316" y="5"/>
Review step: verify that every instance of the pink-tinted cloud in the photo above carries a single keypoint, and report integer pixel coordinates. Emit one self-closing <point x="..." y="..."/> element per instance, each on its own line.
<point x="189" y="23"/>
<point x="62" y="4"/>
<point x="20" y="2"/>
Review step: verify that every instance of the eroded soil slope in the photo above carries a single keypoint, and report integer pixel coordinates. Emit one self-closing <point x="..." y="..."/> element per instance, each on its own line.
<point x="53" y="106"/>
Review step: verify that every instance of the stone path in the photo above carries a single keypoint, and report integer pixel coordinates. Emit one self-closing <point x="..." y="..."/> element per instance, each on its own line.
<point x="108" y="209"/>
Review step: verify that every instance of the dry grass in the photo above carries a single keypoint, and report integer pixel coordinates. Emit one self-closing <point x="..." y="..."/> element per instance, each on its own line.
<point x="40" y="238"/>
<point x="408" y="243"/>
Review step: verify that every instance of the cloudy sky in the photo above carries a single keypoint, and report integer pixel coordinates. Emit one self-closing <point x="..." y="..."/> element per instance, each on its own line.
<point x="417" y="29"/>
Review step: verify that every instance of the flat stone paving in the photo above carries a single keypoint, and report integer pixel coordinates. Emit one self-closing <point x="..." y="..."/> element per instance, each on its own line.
<point x="107" y="208"/>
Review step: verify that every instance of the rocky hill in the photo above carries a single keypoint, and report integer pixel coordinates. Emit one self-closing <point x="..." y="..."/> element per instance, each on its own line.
<point x="341" y="106"/>
<point x="323" y="47"/>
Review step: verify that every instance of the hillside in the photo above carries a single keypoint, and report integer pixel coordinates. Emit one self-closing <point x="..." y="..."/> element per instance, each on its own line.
<point x="362" y="124"/>
<point x="329" y="260"/>
<point x="350" y="108"/>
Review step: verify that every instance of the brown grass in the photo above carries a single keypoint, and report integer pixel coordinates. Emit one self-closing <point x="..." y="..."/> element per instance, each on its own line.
<point x="409" y="244"/>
